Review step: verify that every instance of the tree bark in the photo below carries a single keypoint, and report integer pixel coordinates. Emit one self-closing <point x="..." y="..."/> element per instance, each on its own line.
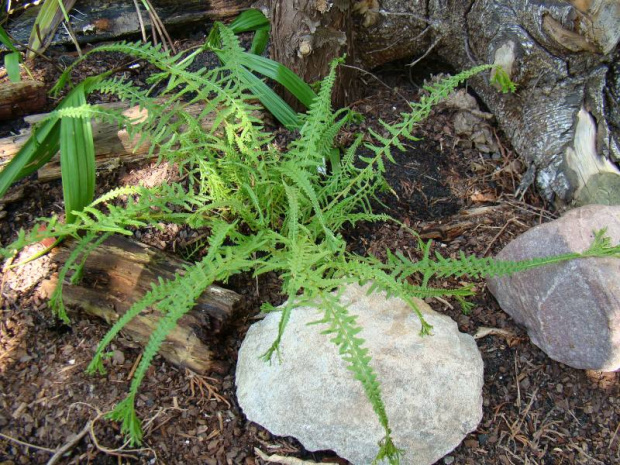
<point x="564" y="119"/>
<point x="121" y="271"/>
<point x="306" y="35"/>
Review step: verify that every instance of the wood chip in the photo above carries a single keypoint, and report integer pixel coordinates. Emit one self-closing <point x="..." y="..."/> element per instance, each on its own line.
<point x="510" y="337"/>
<point x="286" y="460"/>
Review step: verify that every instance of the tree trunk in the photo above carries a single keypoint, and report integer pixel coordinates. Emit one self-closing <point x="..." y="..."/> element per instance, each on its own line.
<point x="119" y="272"/>
<point x="564" y="119"/>
<point x="306" y="35"/>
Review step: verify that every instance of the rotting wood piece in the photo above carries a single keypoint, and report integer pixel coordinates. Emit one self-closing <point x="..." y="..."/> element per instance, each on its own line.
<point x="120" y="272"/>
<point x="113" y="145"/>
<point x="446" y="232"/>
<point x="95" y="21"/>
<point x="21" y="98"/>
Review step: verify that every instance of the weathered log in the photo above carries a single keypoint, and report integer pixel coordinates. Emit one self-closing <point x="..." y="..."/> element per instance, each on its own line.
<point x="564" y="119"/>
<point x="96" y="21"/>
<point x="121" y="271"/>
<point x="21" y="98"/>
<point x="113" y="145"/>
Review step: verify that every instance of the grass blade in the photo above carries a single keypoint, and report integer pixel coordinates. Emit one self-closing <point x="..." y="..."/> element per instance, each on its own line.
<point x="281" y="74"/>
<point x="38" y="150"/>
<point x="260" y="41"/>
<point x="6" y="40"/>
<point x="272" y="102"/>
<point x="47" y="21"/>
<point x="77" y="159"/>
<point x="249" y="20"/>
<point x="11" y="63"/>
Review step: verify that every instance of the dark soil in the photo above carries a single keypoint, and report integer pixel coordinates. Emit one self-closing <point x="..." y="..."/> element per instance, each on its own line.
<point x="536" y="411"/>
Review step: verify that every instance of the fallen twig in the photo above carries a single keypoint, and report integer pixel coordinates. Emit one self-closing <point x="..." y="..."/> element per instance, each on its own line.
<point x="26" y="444"/>
<point x="69" y="444"/>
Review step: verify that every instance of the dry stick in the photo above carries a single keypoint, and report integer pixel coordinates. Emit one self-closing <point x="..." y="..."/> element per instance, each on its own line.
<point x="157" y="23"/>
<point x="581" y="451"/>
<point x="517" y="381"/>
<point x="70" y="444"/>
<point x="156" y="32"/>
<point x="69" y="29"/>
<point x="501" y="231"/>
<point x="411" y="15"/>
<point x="398" y="39"/>
<point x="531" y="209"/>
<point x="286" y="460"/>
<point x="140" y="20"/>
<point x="611" y="441"/>
<point x="26" y="444"/>
<point x="519" y="422"/>
<point x="134" y="367"/>
<point x="163" y="30"/>
<point x="116" y="452"/>
<point x="415" y="62"/>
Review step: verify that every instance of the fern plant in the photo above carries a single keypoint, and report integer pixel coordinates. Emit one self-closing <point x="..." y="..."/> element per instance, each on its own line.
<point x="266" y="209"/>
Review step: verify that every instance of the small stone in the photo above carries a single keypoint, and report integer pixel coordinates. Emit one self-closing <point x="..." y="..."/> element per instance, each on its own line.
<point x="448" y="460"/>
<point x="525" y="383"/>
<point x="118" y="357"/>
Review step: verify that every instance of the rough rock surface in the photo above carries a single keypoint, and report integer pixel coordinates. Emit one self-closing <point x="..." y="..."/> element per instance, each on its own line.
<point x="432" y="385"/>
<point x="572" y="309"/>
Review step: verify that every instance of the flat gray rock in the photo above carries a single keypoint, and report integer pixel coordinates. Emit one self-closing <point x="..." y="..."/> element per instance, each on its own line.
<point x="571" y="310"/>
<point x="432" y="385"/>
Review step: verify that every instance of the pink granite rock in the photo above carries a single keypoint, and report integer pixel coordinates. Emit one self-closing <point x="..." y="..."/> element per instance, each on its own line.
<point x="571" y="310"/>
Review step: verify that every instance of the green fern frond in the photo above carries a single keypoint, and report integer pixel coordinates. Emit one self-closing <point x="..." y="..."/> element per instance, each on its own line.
<point x="343" y="329"/>
<point x="125" y="413"/>
<point x="81" y="250"/>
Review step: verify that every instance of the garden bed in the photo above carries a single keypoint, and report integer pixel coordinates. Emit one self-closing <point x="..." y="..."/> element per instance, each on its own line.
<point x="535" y="410"/>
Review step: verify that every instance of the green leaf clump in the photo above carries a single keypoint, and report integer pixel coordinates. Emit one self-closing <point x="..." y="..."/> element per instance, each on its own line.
<point x="265" y="208"/>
